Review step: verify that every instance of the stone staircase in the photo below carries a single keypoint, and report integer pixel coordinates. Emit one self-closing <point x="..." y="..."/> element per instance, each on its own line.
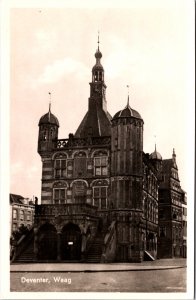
<point x="27" y="255"/>
<point x="25" y="250"/>
<point x="95" y="249"/>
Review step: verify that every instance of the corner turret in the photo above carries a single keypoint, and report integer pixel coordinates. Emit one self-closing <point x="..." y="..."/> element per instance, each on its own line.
<point x="48" y="132"/>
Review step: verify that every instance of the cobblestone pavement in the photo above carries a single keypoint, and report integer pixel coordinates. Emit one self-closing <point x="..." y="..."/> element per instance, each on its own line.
<point x="63" y="278"/>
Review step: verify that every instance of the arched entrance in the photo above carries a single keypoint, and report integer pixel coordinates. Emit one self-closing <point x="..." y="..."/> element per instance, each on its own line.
<point x="47" y="242"/>
<point x="71" y="242"/>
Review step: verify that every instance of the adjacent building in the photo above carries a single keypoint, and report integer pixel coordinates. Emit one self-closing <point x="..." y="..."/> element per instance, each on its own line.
<point x="171" y="199"/>
<point x="21" y="212"/>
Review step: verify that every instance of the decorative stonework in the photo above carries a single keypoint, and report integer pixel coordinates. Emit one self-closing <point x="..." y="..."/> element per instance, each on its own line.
<point x="60" y="184"/>
<point x="82" y="142"/>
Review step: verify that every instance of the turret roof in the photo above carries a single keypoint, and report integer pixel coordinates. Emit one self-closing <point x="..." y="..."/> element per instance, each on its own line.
<point x="49" y="118"/>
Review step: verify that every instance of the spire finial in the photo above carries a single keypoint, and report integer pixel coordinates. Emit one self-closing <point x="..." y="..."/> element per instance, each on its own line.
<point x="98" y="40"/>
<point x="155" y="143"/>
<point x="174" y="155"/>
<point x="128" y="96"/>
<point x="49" y="101"/>
<point x="49" y="104"/>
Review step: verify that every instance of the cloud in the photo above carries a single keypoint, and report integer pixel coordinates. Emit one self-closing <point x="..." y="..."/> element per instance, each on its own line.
<point x="62" y="68"/>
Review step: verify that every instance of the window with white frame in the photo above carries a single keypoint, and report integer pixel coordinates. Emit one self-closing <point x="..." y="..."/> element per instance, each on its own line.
<point x="14" y="214"/>
<point x="100" y="196"/>
<point x="60" y="167"/>
<point x="59" y="195"/>
<point x="100" y="164"/>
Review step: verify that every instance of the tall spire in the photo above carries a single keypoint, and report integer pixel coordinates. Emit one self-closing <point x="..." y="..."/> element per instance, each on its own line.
<point x="97" y="70"/>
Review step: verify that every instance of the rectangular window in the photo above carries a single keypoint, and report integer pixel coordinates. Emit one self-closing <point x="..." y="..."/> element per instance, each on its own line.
<point x="100" y="197"/>
<point x="28" y="216"/>
<point x="14" y="214"/>
<point x="59" y="196"/>
<point x="22" y="215"/>
<point x="60" y="168"/>
<point x="101" y="167"/>
<point x="14" y="227"/>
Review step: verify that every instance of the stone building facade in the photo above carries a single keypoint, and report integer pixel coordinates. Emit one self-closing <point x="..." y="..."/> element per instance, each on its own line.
<point x="100" y="191"/>
<point x="171" y="202"/>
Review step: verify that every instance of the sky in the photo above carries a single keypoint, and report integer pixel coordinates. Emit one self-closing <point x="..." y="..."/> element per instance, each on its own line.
<point x="145" y="44"/>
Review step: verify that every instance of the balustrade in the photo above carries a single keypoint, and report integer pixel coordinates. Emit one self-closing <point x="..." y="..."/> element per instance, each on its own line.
<point x="64" y="209"/>
<point x="80" y="142"/>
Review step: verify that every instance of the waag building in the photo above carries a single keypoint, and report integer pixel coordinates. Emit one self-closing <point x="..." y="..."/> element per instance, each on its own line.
<point x="102" y="198"/>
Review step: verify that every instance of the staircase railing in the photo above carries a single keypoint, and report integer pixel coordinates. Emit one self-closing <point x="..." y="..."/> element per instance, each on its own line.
<point x="22" y="243"/>
<point x="109" y="247"/>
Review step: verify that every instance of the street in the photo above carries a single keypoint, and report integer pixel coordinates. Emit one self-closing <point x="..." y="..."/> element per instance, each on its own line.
<point x="139" y="279"/>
